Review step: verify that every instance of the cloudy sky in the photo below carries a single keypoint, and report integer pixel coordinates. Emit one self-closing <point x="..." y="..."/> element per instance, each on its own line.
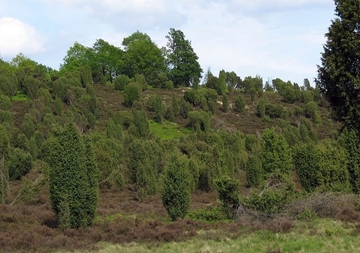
<point x="271" y="38"/>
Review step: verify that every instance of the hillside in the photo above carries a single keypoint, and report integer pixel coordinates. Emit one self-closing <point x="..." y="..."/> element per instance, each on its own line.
<point x="121" y="217"/>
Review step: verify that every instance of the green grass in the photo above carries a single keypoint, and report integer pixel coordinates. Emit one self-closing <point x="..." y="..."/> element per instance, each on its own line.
<point x="168" y="130"/>
<point x="320" y="236"/>
<point x="19" y="96"/>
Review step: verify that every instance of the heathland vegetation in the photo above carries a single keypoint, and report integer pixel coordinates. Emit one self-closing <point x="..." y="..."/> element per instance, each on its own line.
<point x="137" y="146"/>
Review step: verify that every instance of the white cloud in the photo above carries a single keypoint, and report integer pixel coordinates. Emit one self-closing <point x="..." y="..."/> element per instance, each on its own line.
<point x="140" y="6"/>
<point x="130" y="15"/>
<point x="17" y="37"/>
<point x="279" y="4"/>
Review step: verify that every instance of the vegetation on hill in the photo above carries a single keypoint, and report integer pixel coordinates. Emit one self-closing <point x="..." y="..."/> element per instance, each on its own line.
<point x="136" y="125"/>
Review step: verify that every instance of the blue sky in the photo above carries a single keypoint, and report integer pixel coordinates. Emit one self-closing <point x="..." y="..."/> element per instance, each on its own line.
<point x="272" y="39"/>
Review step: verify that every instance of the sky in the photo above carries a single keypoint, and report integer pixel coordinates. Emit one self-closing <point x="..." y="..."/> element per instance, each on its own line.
<point x="269" y="38"/>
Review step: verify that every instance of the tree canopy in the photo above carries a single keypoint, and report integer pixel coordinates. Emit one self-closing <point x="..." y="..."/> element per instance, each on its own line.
<point x="182" y="60"/>
<point x="339" y="73"/>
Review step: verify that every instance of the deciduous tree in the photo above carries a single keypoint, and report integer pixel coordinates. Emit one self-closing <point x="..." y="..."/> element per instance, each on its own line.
<point x="182" y="60"/>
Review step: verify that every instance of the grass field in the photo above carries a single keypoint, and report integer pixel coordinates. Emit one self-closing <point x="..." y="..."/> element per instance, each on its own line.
<point x="19" y="97"/>
<point x="168" y="130"/>
<point x="319" y="236"/>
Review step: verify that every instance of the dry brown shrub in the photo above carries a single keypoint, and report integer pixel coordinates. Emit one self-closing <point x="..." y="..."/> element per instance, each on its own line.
<point x="281" y="225"/>
<point x="348" y="214"/>
<point x="273" y="251"/>
<point x="325" y="205"/>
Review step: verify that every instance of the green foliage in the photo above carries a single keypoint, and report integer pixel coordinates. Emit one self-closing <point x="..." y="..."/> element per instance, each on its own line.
<point x="76" y="56"/>
<point x="73" y="180"/>
<point x="4" y="173"/>
<point x="33" y="148"/>
<point x="225" y="103"/>
<point x="114" y="130"/>
<point x="289" y="94"/>
<point x="308" y="215"/>
<point x="317" y="118"/>
<point x="176" y="187"/>
<point x="194" y="174"/>
<point x="307" y="96"/>
<point x="199" y="121"/>
<point x="120" y="82"/>
<point x="105" y="60"/>
<point x="143" y="175"/>
<point x="306" y="161"/>
<point x="85" y="76"/>
<point x="298" y="111"/>
<point x="290" y="132"/>
<point x="193" y="96"/>
<point x="92" y="179"/>
<point x="307" y="133"/>
<point x="278" y="192"/>
<point x="143" y="56"/>
<point x="252" y="143"/>
<point x="332" y="167"/>
<point x="261" y="107"/>
<point x="209" y="214"/>
<point x="158" y="109"/>
<point x="19" y="163"/>
<point x="175" y="106"/>
<point x="132" y="93"/>
<point x="181" y="59"/>
<point x="5" y="103"/>
<point x="310" y="109"/>
<point x="353" y="158"/>
<point x="228" y="190"/>
<point x="239" y="104"/>
<point x="168" y="130"/>
<point x="338" y="75"/>
<point x="254" y="173"/>
<point x="212" y="82"/>
<point x="274" y="111"/>
<point x="222" y="83"/>
<point x="140" y="123"/>
<point x="275" y="154"/>
<point x="252" y="85"/>
<point x="8" y="79"/>
<point x="233" y="81"/>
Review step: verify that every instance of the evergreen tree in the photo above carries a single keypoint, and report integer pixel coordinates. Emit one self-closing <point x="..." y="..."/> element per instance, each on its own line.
<point x="73" y="180"/>
<point x="132" y="93"/>
<point x="92" y="191"/>
<point x="353" y="158"/>
<point x="306" y="160"/>
<point x="158" y="109"/>
<point x="222" y="83"/>
<point x="338" y="76"/>
<point x="276" y="153"/>
<point x="225" y="103"/>
<point x="239" y="104"/>
<point x="176" y="193"/>
<point x="175" y="106"/>
<point x="228" y="190"/>
<point x="254" y="173"/>
<point x="4" y="174"/>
